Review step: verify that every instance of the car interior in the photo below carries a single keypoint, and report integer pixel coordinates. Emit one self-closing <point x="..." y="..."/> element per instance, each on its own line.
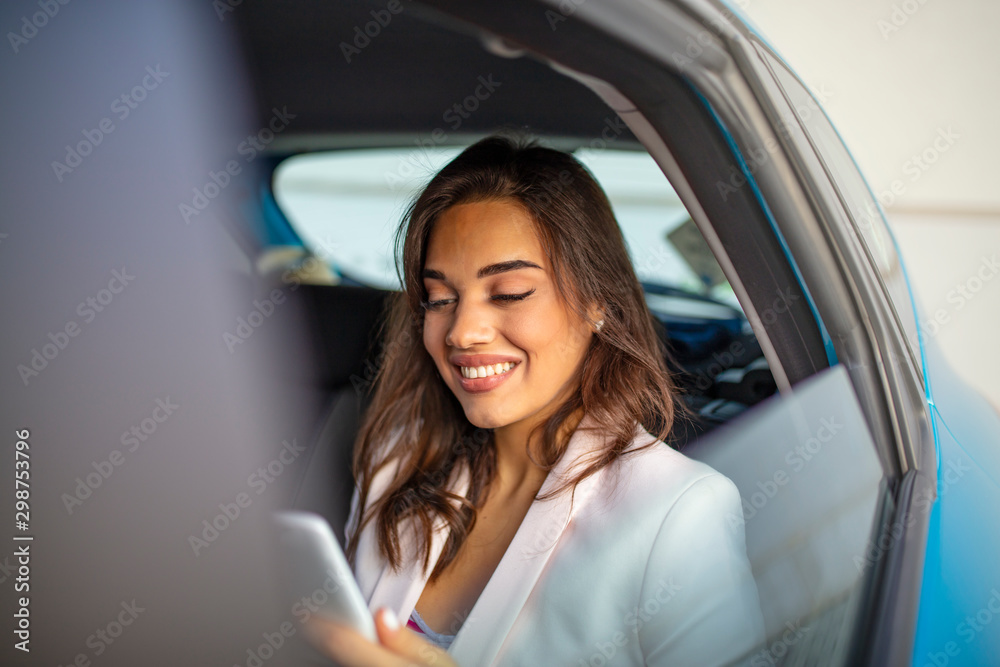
<point x="307" y="248"/>
<point x="264" y="262"/>
<point x="717" y="362"/>
<point x="373" y="119"/>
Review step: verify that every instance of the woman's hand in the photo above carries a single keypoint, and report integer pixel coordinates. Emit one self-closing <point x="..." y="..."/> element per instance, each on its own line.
<point x="398" y="647"/>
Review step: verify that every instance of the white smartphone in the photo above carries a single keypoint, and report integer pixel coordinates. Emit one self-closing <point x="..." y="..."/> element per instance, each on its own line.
<point x="316" y="569"/>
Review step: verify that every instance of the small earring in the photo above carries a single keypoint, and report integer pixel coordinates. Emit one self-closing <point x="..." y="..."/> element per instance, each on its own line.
<point x="598" y="324"/>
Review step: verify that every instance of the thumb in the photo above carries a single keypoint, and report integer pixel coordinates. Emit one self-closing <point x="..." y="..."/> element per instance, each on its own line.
<point x="407" y="643"/>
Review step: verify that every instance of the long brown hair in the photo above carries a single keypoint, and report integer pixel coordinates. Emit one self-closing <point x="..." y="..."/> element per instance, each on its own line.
<point x="623" y="379"/>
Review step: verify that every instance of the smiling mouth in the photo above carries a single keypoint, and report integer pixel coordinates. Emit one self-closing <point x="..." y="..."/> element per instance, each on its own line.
<point x="474" y="372"/>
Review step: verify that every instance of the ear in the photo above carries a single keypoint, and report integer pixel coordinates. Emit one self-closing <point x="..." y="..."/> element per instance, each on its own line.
<point x="595" y="315"/>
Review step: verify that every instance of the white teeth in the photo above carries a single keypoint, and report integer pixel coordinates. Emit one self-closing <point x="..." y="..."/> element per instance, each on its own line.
<point x="472" y="372"/>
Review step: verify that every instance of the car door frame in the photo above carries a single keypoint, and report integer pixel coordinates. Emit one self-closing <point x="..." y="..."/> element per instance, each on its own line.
<point x="690" y="81"/>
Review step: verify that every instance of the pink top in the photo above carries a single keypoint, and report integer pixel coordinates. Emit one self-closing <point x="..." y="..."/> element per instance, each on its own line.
<point x="438" y="639"/>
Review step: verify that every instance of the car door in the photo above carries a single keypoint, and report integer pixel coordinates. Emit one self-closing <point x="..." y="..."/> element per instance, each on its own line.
<point x="700" y="92"/>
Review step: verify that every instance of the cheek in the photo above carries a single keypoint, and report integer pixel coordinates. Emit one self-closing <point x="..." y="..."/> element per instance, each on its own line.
<point x="545" y="333"/>
<point x="434" y="341"/>
<point x="431" y="343"/>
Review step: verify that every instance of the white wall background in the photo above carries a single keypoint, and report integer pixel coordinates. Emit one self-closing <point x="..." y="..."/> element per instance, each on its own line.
<point x="896" y="75"/>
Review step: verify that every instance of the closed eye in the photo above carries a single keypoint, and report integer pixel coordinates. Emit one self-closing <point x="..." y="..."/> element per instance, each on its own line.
<point x="513" y="297"/>
<point x="436" y="305"/>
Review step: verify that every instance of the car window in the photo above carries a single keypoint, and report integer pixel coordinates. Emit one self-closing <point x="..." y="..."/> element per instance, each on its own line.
<point x="346" y="205"/>
<point x="806" y="468"/>
<point x="865" y="212"/>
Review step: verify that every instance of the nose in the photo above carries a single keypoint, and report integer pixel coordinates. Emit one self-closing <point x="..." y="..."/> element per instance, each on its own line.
<point x="471" y="324"/>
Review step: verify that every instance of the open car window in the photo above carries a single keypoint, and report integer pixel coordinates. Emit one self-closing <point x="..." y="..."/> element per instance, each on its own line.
<point x="346" y="206"/>
<point x="805" y="462"/>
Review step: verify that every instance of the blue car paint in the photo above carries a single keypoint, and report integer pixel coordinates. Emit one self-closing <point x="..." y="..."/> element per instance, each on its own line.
<point x="961" y="576"/>
<point x="959" y="615"/>
<point x="277" y="228"/>
<point x="958" y="620"/>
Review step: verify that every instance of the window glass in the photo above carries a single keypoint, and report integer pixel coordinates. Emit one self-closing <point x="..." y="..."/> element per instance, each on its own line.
<point x="809" y="477"/>
<point x="346" y="206"/>
<point x="864" y="210"/>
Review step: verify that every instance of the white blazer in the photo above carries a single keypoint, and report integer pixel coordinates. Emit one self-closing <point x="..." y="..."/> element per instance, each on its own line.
<point x="648" y="567"/>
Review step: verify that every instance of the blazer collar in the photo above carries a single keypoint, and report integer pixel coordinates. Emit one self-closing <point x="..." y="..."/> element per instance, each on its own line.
<point x="482" y="634"/>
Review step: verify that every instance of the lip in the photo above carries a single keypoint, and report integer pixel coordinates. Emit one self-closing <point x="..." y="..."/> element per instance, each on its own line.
<point x="482" y="385"/>
<point x="480" y="359"/>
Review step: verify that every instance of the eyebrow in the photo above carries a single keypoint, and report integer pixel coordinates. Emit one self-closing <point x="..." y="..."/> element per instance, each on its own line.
<point x="488" y="270"/>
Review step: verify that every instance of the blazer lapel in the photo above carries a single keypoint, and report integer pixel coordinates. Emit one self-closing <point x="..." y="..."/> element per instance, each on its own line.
<point x="483" y="633"/>
<point x="401" y="590"/>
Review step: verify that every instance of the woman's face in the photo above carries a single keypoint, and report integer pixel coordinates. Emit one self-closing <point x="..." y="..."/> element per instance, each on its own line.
<point x="503" y="339"/>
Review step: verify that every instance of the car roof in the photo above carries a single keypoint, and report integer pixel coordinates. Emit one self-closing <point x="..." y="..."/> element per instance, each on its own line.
<point x="397" y="87"/>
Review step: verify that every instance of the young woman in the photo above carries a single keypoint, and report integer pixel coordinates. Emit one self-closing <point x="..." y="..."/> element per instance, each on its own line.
<point x="515" y="500"/>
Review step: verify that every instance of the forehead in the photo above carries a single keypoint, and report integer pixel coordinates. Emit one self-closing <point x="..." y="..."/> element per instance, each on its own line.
<point x="469" y="236"/>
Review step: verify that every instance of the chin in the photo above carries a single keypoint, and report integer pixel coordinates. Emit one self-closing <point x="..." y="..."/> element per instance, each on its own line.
<point x="486" y="418"/>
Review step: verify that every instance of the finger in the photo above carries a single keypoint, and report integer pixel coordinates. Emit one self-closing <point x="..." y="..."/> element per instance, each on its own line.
<point x="407" y="643"/>
<point x="348" y="647"/>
